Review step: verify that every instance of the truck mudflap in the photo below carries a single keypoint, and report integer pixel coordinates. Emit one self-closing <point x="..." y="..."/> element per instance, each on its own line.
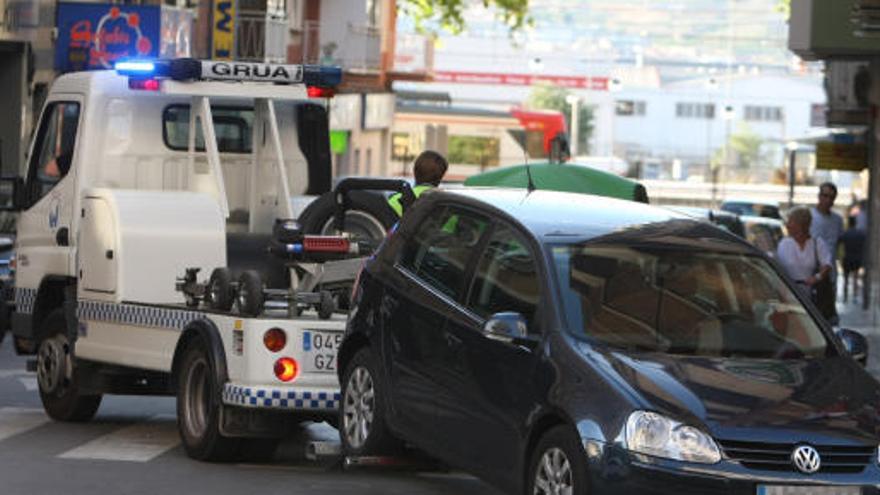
<point x="286" y="398"/>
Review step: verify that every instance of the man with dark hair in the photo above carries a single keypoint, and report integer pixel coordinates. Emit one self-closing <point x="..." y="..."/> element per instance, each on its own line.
<point x="428" y="170"/>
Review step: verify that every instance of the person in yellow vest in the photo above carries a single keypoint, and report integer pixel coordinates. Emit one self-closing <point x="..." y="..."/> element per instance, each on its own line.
<point x="429" y="169"/>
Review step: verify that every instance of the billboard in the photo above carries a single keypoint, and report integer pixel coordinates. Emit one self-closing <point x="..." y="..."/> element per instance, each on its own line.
<point x="223" y="32"/>
<point x="93" y="36"/>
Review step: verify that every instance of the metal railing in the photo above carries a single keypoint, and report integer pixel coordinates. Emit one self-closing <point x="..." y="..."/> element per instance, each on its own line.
<point x="261" y="37"/>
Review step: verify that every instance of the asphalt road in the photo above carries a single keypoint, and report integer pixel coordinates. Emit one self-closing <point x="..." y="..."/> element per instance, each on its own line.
<point x="132" y="447"/>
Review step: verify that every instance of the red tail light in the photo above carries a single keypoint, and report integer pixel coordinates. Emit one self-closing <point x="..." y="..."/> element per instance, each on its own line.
<point x="275" y="339"/>
<point x="286" y="369"/>
<point x="319" y="92"/>
<point x="326" y="244"/>
<point x="144" y="84"/>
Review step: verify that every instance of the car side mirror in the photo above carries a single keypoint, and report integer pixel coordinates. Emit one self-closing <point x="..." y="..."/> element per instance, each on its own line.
<point x="506" y="327"/>
<point x="855" y="343"/>
<point x="12" y="194"/>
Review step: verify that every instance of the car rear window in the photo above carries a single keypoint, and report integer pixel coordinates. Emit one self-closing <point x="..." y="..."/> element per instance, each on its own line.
<point x="692" y="303"/>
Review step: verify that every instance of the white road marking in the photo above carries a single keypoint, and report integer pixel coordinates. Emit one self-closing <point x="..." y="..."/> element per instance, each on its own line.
<point x="29" y="382"/>
<point x="15" y="373"/>
<point x="17" y="420"/>
<point x="141" y="442"/>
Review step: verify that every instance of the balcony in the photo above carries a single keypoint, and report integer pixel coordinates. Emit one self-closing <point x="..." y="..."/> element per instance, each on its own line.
<point x="413" y="57"/>
<point x="261" y="37"/>
<point x="354" y="47"/>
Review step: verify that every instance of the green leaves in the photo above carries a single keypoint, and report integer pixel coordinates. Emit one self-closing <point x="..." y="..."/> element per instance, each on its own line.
<point x="449" y="14"/>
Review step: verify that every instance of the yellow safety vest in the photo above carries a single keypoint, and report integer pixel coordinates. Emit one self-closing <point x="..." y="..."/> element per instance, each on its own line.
<point x="397" y="206"/>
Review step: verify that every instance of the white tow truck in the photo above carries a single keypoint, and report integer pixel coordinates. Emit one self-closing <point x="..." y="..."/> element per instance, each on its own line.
<point x="143" y="180"/>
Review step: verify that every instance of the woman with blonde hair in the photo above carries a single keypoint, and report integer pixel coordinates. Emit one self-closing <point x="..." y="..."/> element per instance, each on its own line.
<point x="806" y="259"/>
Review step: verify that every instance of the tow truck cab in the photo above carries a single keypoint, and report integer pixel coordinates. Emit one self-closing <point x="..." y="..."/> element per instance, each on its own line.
<point x="135" y="176"/>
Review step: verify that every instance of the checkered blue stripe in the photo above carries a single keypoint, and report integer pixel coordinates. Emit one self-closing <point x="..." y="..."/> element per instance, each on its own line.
<point x="275" y="398"/>
<point x="25" y="300"/>
<point x="135" y="314"/>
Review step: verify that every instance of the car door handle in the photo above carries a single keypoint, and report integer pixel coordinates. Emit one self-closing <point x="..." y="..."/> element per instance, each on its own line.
<point x="453" y="341"/>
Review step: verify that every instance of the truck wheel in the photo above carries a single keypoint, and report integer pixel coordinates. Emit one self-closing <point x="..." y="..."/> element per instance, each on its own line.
<point x="250" y="293"/>
<point x="558" y="464"/>
<point x="362" y="426"/>
<point x="327" y="305"/>
<point x="58" y="376"/>
<point x="220" y="293"/>
<point x="198" y="408"/>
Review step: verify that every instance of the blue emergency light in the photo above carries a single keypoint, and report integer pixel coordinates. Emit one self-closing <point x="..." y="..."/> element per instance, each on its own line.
<point x="135" y="67"/>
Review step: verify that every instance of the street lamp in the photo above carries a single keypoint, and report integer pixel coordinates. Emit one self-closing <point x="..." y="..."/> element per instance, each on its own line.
<point x="792" y="147"/>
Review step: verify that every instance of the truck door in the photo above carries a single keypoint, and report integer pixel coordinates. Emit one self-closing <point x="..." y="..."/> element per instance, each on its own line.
<point x="44" y="237"/>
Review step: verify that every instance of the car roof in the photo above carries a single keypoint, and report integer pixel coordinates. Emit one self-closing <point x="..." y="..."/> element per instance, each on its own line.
<point x="552" y="215"/>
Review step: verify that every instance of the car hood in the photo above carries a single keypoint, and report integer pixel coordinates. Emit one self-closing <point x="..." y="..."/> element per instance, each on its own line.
<point x="829" y="400"/>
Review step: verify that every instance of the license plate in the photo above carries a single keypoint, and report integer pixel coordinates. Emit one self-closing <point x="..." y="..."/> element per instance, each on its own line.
<point x="320" y="350"/>
<point x="808" y="490"/>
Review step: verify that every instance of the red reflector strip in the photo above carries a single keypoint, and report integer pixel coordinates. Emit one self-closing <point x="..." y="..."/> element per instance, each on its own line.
<point x="326" y="244"/>
<point x="144" y="84"/>
<point x="319" y="92"/>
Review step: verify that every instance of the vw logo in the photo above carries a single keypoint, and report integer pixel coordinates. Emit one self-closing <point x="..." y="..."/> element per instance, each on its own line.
<point x="806" y="459"/>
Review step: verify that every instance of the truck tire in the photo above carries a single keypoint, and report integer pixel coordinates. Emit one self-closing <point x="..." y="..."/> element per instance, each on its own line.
<point x="250" y="293"/>
<point x="58" y="376"/>
<point x="220" y="294"/>
<point x="198" y="408"/>
<point x="362" y="426"/>
<point x="368" y="218"/>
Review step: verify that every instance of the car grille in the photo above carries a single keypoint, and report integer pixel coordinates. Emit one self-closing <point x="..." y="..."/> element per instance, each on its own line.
<point x="777" y="456"/>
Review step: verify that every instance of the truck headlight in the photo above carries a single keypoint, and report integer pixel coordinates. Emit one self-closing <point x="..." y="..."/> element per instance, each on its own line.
<point x="656" y="435"/>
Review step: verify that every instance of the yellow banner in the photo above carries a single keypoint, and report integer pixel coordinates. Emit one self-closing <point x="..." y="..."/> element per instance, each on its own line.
<point x="833" y="156"/>
<point x="223" y="38"/>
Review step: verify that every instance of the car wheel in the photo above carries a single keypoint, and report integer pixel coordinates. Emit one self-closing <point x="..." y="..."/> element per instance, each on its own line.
<point x="220" y="293"/>
<point x="362" y="426"/>
<point x="198" y="408"/>
<point x="558" y="465"/>
<point x="250" y="293"/>
<point x="58" y="377"/>
<point x="367" y="220"/>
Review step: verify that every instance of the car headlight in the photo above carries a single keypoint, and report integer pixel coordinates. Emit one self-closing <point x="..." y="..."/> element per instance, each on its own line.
<point x="656" y="435"/>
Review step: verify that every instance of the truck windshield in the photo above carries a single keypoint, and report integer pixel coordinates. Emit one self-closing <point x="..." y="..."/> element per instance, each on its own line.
<point x="690" y="303"/>
<point x="232" y="125"/>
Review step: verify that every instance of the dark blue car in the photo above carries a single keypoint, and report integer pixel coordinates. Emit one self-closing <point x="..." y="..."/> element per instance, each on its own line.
<point x="555" y="343"/>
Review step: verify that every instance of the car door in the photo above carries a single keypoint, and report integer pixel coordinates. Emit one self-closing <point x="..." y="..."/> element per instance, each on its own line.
<point x="488" y="386"/>
<point x="45" y="241"/>
<point x="427" y="281"/>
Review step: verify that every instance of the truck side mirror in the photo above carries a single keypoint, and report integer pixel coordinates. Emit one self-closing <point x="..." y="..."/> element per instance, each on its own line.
<point x="12" y="193"/>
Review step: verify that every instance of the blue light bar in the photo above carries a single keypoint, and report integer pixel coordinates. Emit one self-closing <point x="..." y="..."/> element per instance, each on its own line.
<point x="322" y="75"/>
<point x="135" y="68"/>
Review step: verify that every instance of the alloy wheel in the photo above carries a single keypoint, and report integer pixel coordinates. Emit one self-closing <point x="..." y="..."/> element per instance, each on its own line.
<point x="554" y="476"/>
<point x="359" y="406"/>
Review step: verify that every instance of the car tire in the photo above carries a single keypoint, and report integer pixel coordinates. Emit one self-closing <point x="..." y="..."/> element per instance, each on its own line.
<point x="558" y="464"/>
<point x="362" y="414"/>
<point x="250" y="293"/>
<point x="198" y="408"/>
<point x="368" y="218"/>
<point x="220" y="294"/>
<point x="58" y="377"/>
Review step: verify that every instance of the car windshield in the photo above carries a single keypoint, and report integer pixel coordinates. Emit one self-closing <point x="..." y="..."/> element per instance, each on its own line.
<point x="690" y="303"/>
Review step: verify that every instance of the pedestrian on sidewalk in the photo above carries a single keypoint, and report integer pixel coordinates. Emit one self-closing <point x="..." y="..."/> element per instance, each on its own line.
<point x="853" y="241"/>
<point x="807" y="260"/>
<point x="827" y="227"/>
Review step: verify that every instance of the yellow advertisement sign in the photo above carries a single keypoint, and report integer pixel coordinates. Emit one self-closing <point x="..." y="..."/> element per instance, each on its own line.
<point x="223" y="36"/>
<point x="841" y="156"/>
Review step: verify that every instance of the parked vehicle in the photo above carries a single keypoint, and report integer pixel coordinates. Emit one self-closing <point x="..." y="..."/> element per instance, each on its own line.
<point x="763" y="233"/>
<point x="565" y="343"/>
<point x="729" y="221"/>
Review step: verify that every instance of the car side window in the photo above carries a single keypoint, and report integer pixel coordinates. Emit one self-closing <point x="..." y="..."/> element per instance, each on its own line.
<point x="439" y="251"/>
<point x="53" y="150"/>
<point x="506" y="278"/>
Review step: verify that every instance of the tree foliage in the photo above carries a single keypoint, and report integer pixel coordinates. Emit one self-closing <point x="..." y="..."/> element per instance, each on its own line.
<point x="554" y="98"/>
<point x="449" y="14"/>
